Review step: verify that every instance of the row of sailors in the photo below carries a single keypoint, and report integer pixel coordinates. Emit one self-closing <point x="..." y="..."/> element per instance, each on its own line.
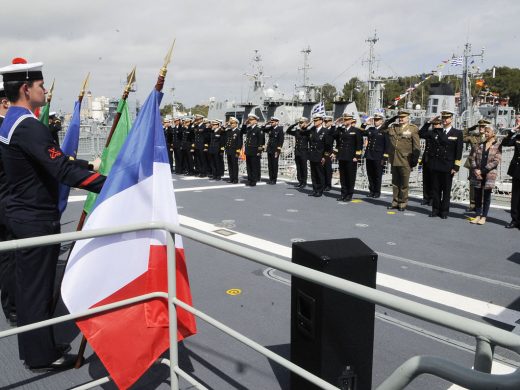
<point x="199" y="146"/>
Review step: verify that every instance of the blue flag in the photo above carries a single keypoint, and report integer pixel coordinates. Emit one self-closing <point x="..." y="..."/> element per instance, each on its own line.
<point x="70" y="148"/>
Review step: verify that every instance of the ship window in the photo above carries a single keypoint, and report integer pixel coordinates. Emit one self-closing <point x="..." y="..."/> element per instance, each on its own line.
<point x="434" y="109"/>
<point x="435" y="102"/>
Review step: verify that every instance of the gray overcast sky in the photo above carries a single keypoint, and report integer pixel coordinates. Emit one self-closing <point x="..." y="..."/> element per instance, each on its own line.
<point x="216" y="39"/>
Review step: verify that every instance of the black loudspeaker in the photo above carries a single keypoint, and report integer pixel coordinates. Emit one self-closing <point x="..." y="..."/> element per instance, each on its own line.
<point x="332" y="334"/>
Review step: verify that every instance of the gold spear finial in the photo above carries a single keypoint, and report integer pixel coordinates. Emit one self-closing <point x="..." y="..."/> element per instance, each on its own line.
<point x="130" y="80"/>
<point x="49" y="94"/>
<point x="167" y="60"/>
<point x="84" y="87"/>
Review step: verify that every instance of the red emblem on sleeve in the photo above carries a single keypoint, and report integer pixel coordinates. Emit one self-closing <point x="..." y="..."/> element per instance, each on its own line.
<point x="54" y="152"/>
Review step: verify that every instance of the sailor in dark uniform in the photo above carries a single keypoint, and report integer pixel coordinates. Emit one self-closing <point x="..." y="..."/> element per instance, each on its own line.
<point x="254" y="146"/>
<point x="233" y="148"/>
<point x="349" y="146"/>
<point x="444" y="159"/>
<point x="55" y="126"/>
<point x="216" y="150"/>
<point x="187" y="145"/>
<point x="376" y="155"/>
<point x="301" y="150"/>
<point x="201" y="136"/>
<point x="34" y="166"/>
<point x="327" y="167"/>
<point x="513" y="139"/>
<point x="177" y="142"/>
<point x="168" y="136"/>
<point x="320" y="147"/>
<point x="424" y="133"/>
<point x="274" y="147"/>
<point x="7" y="263"/>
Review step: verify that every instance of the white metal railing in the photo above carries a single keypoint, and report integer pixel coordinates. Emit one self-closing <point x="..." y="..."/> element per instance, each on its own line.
<point x="486" y="336"/>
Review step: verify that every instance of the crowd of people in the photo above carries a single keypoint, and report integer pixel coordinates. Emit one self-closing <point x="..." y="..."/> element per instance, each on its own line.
<point x="198" y="147"/>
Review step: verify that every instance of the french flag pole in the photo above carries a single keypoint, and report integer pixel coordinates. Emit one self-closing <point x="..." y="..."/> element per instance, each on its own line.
<point x="108" y="269"/>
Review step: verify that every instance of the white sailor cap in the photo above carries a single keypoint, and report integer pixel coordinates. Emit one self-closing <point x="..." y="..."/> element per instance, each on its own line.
<point x="303" y="119"/>
<point x="20" y="70"/>
<point x="275" y="118"/>
<point x="233" y="119"/>
<point x="317" y="116"/>
<point x="52" y="113"/>
<point x="327" y="118"/>
<point x="199" y="116"/>
<point x="251" y="115"/>
<point x="187" y="118"/>
<point x="378" y="115"/>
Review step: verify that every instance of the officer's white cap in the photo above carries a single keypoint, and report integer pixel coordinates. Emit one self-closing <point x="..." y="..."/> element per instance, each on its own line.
<point x="253" y="116"/>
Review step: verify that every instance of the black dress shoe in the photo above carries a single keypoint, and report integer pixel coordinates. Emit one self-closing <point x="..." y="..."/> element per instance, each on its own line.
<point x="470" y="209"/>
<point x="444" y="217"/>
<point x="327" y="188"/>
<point x="348" y="198"/>
<point x="510" y="225"/>
<point x="302" y="185"/>
<point x="425" y="202"/>
<point x="312" y="193"/>
<point x="432" y="215"/>
<point x="341" y="199"/>
<point x="12" y="319"/>
<point x="218" y="178"/>
<point x="376" y="195"/>
<point x="63" y="363"/>
<point x="235" y="182"/>
<point x="318" y="194"/>
<point x="370" y="195"/>
<point x="391" y="207"/>
<point x="401" y="208"/>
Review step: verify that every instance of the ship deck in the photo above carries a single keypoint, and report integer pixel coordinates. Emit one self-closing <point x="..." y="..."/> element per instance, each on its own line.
<point x="448" y="264"/>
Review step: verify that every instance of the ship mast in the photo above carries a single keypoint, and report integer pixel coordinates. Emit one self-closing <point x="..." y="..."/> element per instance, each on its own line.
<point x="465" y="107"/>
<point x="374" y="85"/>
<point x="306" y="87"/>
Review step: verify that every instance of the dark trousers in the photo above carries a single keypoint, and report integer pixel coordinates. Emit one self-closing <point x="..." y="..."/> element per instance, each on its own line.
<point x="216" y="164"/>
<point x="232" y="163"/>
<point x="317" y="176"/>
<point x="35" y="273"/>
<point x="187" y="156"/>
<point x="170" y="159"/>
<point x="200" y="162"/>
<point x="253" y="168"/>
<point x="482" y="200"/>
<point x="327" y="168"/>
<point x="177" y="155"/>
<point x="7" y="273"/>
<point x="441" y="190"/>
<point x="515" y="201"/>
<point x="347" y="176"/>
<point x="427" y="182"/>
<point x="272" y="164"/>
<point x="375" y="175"/>
<point x="301" y="169"/>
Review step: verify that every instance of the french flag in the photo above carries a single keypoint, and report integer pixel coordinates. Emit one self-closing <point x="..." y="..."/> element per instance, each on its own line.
<point x="108" y="269"/>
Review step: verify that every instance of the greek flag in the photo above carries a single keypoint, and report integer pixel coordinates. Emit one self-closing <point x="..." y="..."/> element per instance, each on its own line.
<point x="456" y="61"/>
<point x="318" y="109"/>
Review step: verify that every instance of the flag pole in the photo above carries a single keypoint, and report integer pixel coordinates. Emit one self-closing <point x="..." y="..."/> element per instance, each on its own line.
<point x="83" y="88"/>
<point x="49" y="94"/>
<point x="158" y="86"/>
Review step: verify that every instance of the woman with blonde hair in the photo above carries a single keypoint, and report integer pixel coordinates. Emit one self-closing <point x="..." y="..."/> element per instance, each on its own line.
<point x="484" y="163"/>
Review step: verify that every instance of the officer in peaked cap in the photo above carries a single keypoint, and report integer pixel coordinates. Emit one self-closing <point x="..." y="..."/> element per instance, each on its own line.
<point x="254" y="146"/>
<point x="233" y="148"/>
<point x="349" y="147"/>
<point x="376" y="155"/>
<point x="34" y="166"/>
<point x="168" y="136"/>
<point x="513" y="139"/>
<point x="274" y="147"/>
<point x="7" y="264"/>
<point x="188" y="135"/>
<point x="444" y="160"/>
<point x="424" y="133"/>
<point x="216" y="146"/>
<point x="301" y="149"/>
<point x="201" y="136"/>
<point x="177" y="142"/>
<point x="320" y="147"/>
<point x="404" y="154"/>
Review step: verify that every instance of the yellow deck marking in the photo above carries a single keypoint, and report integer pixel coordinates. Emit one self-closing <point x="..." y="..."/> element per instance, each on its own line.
<point x="234" y="291"/>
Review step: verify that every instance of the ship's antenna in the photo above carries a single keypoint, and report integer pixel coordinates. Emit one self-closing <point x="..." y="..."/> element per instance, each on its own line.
<point x="374" y="87"/>
<point x="465" y="108"/>
<point x="306" y="84"/>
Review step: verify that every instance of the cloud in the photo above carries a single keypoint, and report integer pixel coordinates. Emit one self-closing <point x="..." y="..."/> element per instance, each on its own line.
<point x="216" y="40"/>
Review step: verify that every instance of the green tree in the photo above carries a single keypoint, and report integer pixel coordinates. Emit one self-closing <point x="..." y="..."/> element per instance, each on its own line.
<point x="201" y="109"/>
<point x="327" y="94"/>
<point x="354" y="91"/>
<point x="506" y="82"/>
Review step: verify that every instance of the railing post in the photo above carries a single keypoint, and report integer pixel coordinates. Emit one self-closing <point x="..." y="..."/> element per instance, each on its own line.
<point x="172" y="313"/>
<point x="483" y="355"/>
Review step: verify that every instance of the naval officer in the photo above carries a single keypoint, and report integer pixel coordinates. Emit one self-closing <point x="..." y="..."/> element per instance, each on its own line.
<point x="513" y="139"/>
<point x="254" y="146"/>
<point x="376" y="155"/>
<point x="233" y="148"/>
<point x="404" y="155"/>
<point x="34" y="166"/>
<point x="274" y="147"/>
<point x="444" y="159"/>
<point x="301" y="150"/>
